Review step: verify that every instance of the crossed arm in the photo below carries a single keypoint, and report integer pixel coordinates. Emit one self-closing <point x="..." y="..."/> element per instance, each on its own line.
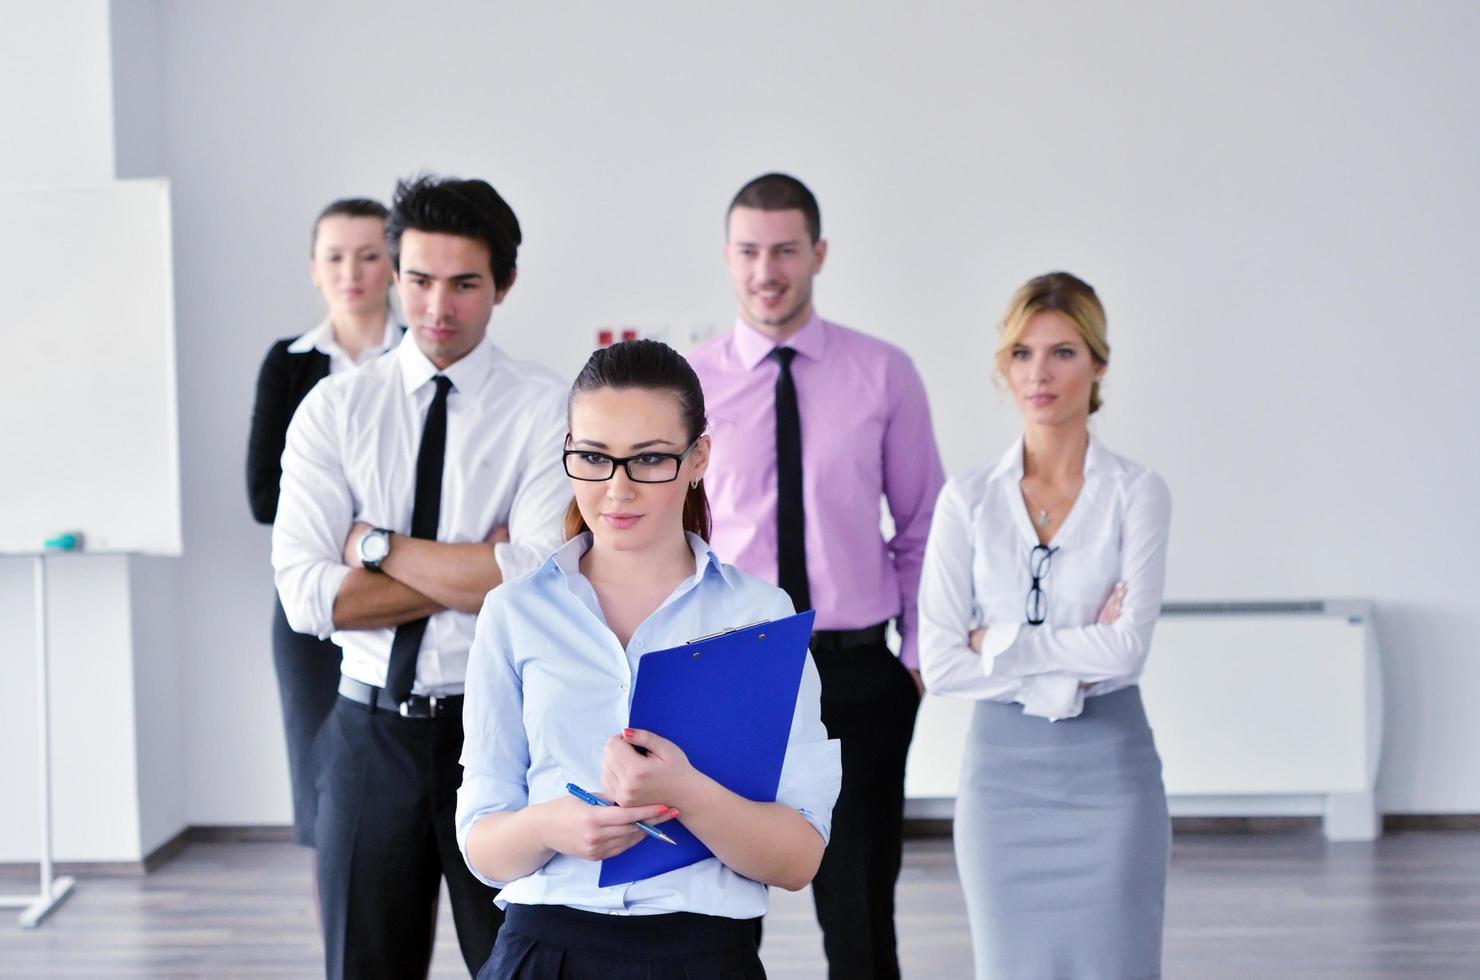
<point x="964" y="661"/>
<point x="418" y="578"/>
<point x="323" y="585"/>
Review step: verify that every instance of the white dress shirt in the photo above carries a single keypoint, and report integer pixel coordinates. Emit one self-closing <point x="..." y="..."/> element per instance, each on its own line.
<point x="548" y="684"/>
<point x="351" y="456"/>
<point x="321" y="339"/>
<point x="977" y="574"/>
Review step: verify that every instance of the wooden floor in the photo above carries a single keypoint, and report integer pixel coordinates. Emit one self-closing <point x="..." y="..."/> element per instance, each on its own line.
<point x="1260" y="905"/>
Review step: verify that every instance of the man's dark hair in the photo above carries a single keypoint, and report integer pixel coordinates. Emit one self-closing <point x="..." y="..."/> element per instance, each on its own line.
<point x="466" y="208"/>
<point x="779" y="192"/>
<point x="348" y="207"/>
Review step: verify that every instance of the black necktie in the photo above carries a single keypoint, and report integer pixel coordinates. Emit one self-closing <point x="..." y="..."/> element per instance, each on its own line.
<point x="426" y="509"/>
<point x="791" y="541"/>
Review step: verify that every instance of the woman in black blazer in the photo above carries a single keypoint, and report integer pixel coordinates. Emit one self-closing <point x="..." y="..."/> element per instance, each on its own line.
<point x="348" y="264"/>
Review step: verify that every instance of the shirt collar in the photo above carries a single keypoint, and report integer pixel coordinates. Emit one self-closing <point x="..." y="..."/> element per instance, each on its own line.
<point x="706" y="562"/>
<point x="321" y="338"/>
<point x="1011" y="462"/>
<point x="567" y="560"/>
<point x="753" y="347"/>
<point x="1095" y="458"/>
<point x="467" y="374"/>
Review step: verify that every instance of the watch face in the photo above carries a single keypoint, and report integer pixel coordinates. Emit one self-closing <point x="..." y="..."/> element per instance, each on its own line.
<point x="374" y="547"/>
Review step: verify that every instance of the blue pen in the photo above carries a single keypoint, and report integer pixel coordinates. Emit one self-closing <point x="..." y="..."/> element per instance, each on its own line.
<point x="648" y="829"/>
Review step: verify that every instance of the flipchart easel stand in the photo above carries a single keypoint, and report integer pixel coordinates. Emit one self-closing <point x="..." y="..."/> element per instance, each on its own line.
<point x="53" y="890"/>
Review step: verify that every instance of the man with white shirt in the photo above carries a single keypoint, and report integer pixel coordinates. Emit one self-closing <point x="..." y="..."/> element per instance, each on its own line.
<point x="411" y="488"/>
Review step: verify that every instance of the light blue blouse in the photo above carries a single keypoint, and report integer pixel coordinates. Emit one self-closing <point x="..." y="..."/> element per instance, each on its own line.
<point x="548" y="683"/>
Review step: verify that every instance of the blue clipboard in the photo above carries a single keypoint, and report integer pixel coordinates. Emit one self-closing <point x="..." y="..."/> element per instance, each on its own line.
<point x="727" y="700"/>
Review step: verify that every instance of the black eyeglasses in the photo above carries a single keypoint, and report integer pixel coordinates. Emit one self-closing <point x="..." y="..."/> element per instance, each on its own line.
<point x="1037" y="604"/>
<point x="594" y="467"/>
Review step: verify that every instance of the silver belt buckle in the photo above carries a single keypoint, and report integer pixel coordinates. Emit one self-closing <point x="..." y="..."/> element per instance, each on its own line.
<point x="432" y="702"/>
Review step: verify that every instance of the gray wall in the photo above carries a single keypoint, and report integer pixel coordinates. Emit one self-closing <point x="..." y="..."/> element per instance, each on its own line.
<point x="57" y="120"/>
<point x="1276" y="201"/>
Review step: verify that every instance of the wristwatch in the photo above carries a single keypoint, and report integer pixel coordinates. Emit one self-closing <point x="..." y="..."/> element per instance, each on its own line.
<point x="373" y="548"/>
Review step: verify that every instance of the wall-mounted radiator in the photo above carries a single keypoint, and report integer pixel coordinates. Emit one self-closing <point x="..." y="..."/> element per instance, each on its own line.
<point x="1259" y="709"/>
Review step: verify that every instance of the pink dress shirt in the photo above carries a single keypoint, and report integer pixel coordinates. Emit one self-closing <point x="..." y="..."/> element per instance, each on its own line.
<point x="865" y="435"/>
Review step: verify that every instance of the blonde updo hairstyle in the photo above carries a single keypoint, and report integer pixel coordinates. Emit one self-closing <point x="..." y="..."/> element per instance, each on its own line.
<point x="1057" y="292"/>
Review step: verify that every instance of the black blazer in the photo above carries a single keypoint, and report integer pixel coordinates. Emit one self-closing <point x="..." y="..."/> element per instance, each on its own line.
<point x="283" y="381"/>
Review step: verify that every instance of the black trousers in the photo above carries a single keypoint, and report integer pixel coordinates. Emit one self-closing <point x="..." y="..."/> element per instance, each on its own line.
<point x="552" y="942"/>
<point x="869" y="702"/>
<point x="387" y="794"/>
<point x="308" y="679"/>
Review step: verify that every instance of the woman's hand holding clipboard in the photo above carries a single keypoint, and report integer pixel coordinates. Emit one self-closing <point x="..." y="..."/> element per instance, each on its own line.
<point x="725" y="702"/>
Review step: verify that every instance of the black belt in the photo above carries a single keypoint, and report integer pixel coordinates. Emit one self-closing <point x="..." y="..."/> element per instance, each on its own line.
<point x="831" y="641"/>
<point x="415" y="706"/>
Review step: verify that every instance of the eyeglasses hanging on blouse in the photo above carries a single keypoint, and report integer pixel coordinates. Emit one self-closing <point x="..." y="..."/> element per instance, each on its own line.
<point x="1037" y="605"/>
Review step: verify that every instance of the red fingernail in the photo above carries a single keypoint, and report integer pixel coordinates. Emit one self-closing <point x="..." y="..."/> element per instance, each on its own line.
<point x="672" y="812"/>
<point x="628" y="733"/>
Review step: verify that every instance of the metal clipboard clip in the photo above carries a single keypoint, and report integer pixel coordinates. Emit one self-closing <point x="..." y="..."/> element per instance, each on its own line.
<point x="732" y="629"/>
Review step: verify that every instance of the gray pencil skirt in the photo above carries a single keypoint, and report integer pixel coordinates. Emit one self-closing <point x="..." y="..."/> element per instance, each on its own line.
<point x="1062" y="842"/>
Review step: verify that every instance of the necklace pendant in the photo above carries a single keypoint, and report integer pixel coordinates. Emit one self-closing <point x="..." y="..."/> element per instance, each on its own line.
<point x="1042" y="519"/>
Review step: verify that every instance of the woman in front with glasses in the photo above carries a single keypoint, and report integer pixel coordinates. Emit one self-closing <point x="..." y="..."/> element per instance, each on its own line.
<point x="1041" y="586"/>
<point x="549" y="685"/>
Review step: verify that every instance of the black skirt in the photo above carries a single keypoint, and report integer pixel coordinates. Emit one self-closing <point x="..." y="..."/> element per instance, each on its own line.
<point x="552" y="942"/>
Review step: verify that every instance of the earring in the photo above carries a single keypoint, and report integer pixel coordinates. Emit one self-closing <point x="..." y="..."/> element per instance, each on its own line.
<point x="694" y="484"/>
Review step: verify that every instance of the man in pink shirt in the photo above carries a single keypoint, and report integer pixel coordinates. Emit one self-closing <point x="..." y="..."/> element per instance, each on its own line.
<point x="813" y="424"/>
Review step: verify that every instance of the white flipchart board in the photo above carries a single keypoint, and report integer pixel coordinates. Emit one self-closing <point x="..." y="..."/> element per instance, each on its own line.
<point x="88" y="420"/>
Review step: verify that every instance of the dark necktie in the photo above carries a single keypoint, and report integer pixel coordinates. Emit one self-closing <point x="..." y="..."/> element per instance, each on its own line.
<point x="791" y="541"/>
<point x="426" y="509"/>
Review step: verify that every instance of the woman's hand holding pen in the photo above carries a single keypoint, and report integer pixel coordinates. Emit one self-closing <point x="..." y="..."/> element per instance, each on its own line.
<point x="596" y="832"/>
<point x="632" y="778"/>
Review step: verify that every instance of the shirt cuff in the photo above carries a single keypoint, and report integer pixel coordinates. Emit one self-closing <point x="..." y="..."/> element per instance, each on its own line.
<point x="463" y="830"/>
<point x="329" y="583"/>
<point x="1052" y="696"/>
<point x="816" y="775"/>
<point x="909" y="649"/>
<point x="515" y="560"/>
<point x="995" y="645"/>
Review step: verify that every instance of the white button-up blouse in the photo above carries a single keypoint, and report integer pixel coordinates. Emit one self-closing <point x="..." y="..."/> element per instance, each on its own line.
<point x="976" y="574"/>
